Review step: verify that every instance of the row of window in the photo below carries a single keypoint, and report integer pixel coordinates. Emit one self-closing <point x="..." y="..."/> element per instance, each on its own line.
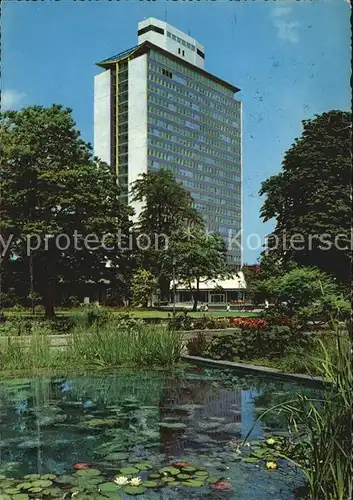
<point x="202" y="148"/>
<point x="198" y="178"/>
<point x="213" y="199"/>
<point x="195" y="75"/>
<point x="225" y="106"/>
<point x="230" y="113"/>
<point x="207" y="110"/>
<point x="181" y="41"/>
<point x="233" y="128"/>
<point x="211" y="138"/>
<point x="191" y="186"/>
<point x="233" y="175"/>
<point x="216" y="122"/>
<point x="217" y="210"/>
<point x="204" y="187"/>
<point x="191" y="143"/>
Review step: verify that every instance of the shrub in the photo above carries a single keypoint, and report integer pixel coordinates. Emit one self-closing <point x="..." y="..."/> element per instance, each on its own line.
<point x="251" y="343"/>
<point x="197" y="345"/>
<point x="181" y="322"/>
<point x="205" y="323"/>
<point x="87" y="316"/>
<point x="73" y="301"/>
<point x="187" y="323"/>
<point x="8" y="299"/>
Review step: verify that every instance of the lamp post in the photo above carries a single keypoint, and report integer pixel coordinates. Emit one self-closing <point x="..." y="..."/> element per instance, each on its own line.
<point x="174" y="264"/>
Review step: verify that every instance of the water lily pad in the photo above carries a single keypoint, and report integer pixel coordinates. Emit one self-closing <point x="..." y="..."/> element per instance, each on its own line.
<point x="144" y="465"/>
<point x="64" y="479"/>
<point x="108" y="487"/>
<point x="48" y="476"/>
<point x="150" y="484"/>
<point x="87" y="473"/>
<point x="52" y="492"/>
<point x="42" y="483"/>
<point x="193" y="483"/>
<point x="5" y="497"/>
<point x="32" y="477"/>
<point x="128" y="470"/>
<point x="30" y="444"/>
<point x="168" y="479"/>
<point x="154" y="475"/>
<point x="251" y="460"/>
<point x="24" y="486"/>
<point x="2" y="477"/>
<point x="170" y="470"/>
<point x="117" y="456"/>
<point x="212" y="479"/>
<point x="12" y="491"/>
<point x="183" y="476"/>
<point x="35" y="489"/>
<point x="201" y="473"/>
<point x="20" y="496"/>
<point x="100" y="423"/>
<point x="134" y="490"/>
<point x="189" y="468"/>
<point x="172" y="425"/>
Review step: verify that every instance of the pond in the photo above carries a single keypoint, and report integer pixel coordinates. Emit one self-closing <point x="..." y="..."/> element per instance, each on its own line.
<point x="69" y="437"/>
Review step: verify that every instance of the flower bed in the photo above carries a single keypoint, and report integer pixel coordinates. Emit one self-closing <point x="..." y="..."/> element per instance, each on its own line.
<point x="249" y="323"/>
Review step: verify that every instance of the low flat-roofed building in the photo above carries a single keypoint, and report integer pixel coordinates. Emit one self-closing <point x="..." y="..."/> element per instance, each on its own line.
<point x="217" y="291"/>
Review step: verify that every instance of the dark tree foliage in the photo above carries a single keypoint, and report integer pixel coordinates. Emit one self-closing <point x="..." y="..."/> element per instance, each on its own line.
<point x="51" y="185"/>
<point x="311" y="198"/>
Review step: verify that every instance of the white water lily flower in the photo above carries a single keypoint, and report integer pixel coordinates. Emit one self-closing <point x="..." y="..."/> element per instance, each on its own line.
<point x="135" y="481"/>
<point x="121" y="480"/>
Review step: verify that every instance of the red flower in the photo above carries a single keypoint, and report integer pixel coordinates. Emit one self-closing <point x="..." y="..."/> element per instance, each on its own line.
<point x="221" y="485"/>
<point x="251" y="323"/>
<point x="82" y="466"/>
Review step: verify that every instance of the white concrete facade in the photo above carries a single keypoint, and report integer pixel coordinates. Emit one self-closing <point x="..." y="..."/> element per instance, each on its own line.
<point x="173" y="40"/>
<point x="102" y="108"/>
<point x="137" y="122"/>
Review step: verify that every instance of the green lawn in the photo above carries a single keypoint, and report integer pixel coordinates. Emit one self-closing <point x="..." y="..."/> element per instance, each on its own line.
<point x="164" y="314"/>
<point x="148" y="314"/>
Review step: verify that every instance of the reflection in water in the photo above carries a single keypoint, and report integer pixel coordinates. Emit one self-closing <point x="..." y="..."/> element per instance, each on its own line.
<point x="48" y="424"/>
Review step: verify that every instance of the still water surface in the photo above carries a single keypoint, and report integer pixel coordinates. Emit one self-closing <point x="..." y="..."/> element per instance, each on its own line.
<point x="49" y="424"/>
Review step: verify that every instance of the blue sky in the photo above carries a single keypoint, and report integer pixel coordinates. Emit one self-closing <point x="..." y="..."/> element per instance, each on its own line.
<point x="290" y="59"/>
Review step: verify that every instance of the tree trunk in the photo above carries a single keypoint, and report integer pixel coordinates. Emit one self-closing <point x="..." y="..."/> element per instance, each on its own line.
<point x="47" y="292"/>
<point x="48" y="303"/>
<point x="196" y="295"/>
<point x="164" y="286"/>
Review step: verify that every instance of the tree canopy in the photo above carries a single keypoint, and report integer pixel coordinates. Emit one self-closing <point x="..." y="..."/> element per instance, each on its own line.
<point x="53" y="192"/>
<point x="310" y="199"/>
<point x="199" y="257"/>
<point x="166" y="208"/>
<point x="306" y="294"/>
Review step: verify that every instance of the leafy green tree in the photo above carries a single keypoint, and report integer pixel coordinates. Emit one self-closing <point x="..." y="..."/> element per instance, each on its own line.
<point x="310" y="199"/>
<point x="307" y="294"/>
<point x="51" y="186"/>
<point x="199" y="257"/>
<point x="166" y="207"/>
<point x="143" y="286"/>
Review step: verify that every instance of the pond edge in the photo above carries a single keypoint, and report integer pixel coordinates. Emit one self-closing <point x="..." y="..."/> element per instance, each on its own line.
<point x="261" y="370"/>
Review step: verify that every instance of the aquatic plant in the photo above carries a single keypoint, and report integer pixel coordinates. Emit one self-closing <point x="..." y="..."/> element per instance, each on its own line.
<point x="91" y="483"/>
<point x="320" y="429"/>
<point x="121" y="480"/>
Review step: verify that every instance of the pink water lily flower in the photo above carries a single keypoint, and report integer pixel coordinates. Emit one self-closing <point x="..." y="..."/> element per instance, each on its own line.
<point x="221" y="485"/>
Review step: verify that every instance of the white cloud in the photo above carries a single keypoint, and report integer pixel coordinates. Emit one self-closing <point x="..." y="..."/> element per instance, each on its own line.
<point x="286" y="29"/>
<point x="11" y="99"/>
